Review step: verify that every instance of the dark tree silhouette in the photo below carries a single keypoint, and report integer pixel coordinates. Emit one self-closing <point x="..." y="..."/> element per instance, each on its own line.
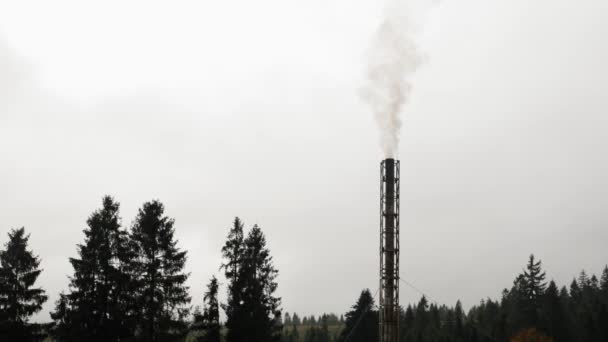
<point x="553" y="319"/>
<point x="252" y="310"/>
<point x="211" y="314"/>
<point x="533" y="290"/>
<point x="19" y="299"/>
<point x="232" y="253"/>
<point x="96" y="308"/>
<point x="158" y="275"/>
<point x="361" y="323"/>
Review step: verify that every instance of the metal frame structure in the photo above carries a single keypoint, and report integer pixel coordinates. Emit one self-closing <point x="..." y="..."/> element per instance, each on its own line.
<point x="389" y="250"/>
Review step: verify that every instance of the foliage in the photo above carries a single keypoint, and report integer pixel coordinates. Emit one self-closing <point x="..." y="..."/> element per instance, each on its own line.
<point x="95" y="309"/>
<point x="207" y="324"/>
<point x="157" y="275"/>
<point x="19" y="299"/>
<point x="252" y="310"/>
<point x="531" y="335"/>
<point x="361" y="324"/>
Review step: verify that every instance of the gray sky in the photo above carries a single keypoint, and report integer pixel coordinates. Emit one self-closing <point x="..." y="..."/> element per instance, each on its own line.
<point x="224" y="108"/>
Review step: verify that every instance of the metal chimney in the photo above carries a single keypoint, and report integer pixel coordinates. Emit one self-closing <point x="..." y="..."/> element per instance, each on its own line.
<point x="389" y="250"/>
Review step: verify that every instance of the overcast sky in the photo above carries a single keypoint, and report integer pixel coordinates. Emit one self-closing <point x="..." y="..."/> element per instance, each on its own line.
<point x="251" y="108"/>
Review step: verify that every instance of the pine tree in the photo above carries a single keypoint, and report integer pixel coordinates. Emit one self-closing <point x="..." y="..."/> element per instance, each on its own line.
<point x="211" y="313"/>
<point x="553" y="319"/>
<point x="604" y="285"/>
<point x="158" y="275"/>
<point x="232" y="252"/>
<point x="324" y="330"/>
<point x="405" y="324"/>
<point x="197" y="327"/>
<point x="603" y="314"/>
<point x="97" y="305"/>
<point x="534" y="288"/>
<point x="361" y="323"/>
<point x="294" y="335"/>
<point x="459" y="324"/>
<point x="63" y="326"/>
<point x="422" y="321"/>
<point x="256" y="316"/>
<point x="19" y="299"/>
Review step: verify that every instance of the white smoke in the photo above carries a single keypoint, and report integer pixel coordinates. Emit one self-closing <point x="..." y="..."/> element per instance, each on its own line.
<point x="393" y="58"/>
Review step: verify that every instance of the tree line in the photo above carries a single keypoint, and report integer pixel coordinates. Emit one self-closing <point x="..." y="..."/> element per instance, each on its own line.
<point x="128" y="284"/>
<point x="531" y="310"/>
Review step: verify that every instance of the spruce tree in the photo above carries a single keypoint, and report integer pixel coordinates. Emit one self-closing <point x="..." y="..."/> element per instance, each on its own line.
<point x="405" y="324"/>
<point x="604" y="285"/>
<point x="323" y="335"/>
<point x="459" y="324"/>
<point x="19" y="299"/>
<point x="256" y="316"/>
<point x="211" y="313"/>
<point x="553" y="318"/>
<point x="161" y="295"/>
<point x="63" y="325"/>
<point x="423" y="320"/>
<point x="361" y="322"/>
<point x="197" y="321"/>
<point x="97" y="306"/>
<point x="294" y="335"/>
<point x="534" y="288"/>
<point x="232" y="252"/>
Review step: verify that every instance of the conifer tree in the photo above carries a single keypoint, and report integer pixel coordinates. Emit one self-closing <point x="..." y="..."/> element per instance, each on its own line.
<point x="405" y="324"/>
<point x="232" y="253"/>
<point x="361" y="322"/>
<point x="604" y="282"/>
<point x="534" y="288"/>
<point x="324" y="331"/>
<point x="19" y="298"/>
<point x="294" y="335"/>
<point x="553" y="319"/>
<point x="459" y="324"/>
<point x="158" y="274"/>
<point x="96" y="308"/>
<point x="211" y="313"/>
<point x="256" y="315"/>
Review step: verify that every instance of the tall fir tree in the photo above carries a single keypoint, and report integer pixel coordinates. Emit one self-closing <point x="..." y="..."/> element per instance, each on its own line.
<point x="604" y="285"/>
<point x="211" y="313"/>
<point x="361" y="322"/>
<point x="553" y="317"/>
<point x="97" y="305"/>
<point x="534" y="288"/>
<point x="19" y="298"/>
<point x="459" y="316"/>
<point x="253" y="312"/>
<point x="158" y="274"/>
<point x="232" y="252"/>
<point x="292" y="334"/>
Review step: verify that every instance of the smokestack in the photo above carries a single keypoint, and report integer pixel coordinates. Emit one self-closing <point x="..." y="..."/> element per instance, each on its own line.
<point x="389" y="250"/>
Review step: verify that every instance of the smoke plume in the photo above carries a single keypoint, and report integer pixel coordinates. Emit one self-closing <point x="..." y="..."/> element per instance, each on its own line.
<point x="393" y="58"/>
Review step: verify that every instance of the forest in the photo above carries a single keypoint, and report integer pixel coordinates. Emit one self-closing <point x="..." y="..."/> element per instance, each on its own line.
<point x="128" y="284"/>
